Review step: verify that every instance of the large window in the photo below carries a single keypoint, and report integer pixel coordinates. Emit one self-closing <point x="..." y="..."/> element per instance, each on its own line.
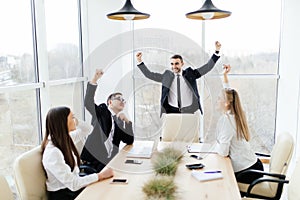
<point x="16" y="49"/>
<point x="18" y="122"/>
<point x="40" y="67"/>
<point x="62" y="39"/>
<point x="252" y="53"/>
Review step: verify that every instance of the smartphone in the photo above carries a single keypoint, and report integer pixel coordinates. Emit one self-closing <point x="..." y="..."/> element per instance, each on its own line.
<point x="196" y="156"/>
<point x="134" y="161"/>
<point x="119" y="181"/>
<point x="195" y="166"/>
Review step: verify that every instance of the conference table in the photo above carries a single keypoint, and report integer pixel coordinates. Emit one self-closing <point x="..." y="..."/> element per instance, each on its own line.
<point x="188" y="186"/>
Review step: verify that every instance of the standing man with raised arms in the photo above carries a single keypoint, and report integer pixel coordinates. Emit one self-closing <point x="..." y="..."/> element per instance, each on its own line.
<point x="179" y="87"/>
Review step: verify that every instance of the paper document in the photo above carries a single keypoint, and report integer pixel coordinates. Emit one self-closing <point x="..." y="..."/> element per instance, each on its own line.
<point x="207" y="175"/>
<point x="201" y="148"/>
<point x="141" y="149"/>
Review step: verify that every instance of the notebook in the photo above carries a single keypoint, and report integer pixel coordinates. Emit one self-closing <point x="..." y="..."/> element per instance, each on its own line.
<point x="141" y="149"/>
<point x="207" y="175"/>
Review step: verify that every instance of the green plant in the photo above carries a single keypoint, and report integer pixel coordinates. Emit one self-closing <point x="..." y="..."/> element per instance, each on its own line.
<point x="173" y="153"/>
<point x="165" y="166"/>
<point x="160" y="188"/>
<point x="166" y="162"/>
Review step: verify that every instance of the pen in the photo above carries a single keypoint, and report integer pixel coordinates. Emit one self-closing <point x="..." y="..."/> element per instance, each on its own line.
<point x="212" y="172"/>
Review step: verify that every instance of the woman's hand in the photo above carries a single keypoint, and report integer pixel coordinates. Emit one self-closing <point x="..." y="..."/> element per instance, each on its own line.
<point x="105" y="173"/>
<point x="226" y="69"/>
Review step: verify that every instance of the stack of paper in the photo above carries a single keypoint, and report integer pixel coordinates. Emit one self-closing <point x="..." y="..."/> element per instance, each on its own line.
<point x="207" y="175"/>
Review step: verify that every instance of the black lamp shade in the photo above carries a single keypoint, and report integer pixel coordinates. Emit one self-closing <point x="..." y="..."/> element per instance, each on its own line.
<point x="127" y="12"/>
<point x="208" y="11"/>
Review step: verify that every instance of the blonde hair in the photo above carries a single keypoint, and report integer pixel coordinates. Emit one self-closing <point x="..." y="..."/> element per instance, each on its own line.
<point x="235" y="108"/>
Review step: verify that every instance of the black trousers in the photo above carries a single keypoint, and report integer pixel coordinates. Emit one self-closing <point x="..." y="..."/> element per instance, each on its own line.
<point x="98" y="166"/>
<point x="63" y="194"/>
<point x="250" y="177"/>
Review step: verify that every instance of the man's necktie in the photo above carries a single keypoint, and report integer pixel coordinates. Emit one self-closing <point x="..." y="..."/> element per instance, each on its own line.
<point x="109" y="142"/>
<point x="178" y="92"/>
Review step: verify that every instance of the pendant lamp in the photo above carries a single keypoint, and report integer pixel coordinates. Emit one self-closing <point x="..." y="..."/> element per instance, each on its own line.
<point x="208" y="11"/>
<point x="128" y="12"/>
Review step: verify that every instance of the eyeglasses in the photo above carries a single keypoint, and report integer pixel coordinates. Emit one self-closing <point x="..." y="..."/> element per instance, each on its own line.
<point x="177" y="63"/>
<point x="120" y="99"/>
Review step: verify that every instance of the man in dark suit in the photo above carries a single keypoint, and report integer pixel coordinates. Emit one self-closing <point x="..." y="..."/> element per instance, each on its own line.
<point x="179" y="92"/>
<point x="111" y="126"/>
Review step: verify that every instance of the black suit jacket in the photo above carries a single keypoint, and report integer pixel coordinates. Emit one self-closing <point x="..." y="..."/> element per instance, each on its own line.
<point x="190" y="75"/>
<point x="94" y="149"/>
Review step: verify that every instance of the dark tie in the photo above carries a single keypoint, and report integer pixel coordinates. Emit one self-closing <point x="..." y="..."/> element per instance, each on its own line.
<point x="178" y="92"/>
<point x="115" y="120"/>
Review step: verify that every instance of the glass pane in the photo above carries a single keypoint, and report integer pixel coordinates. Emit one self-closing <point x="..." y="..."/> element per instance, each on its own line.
<point x="19" y="126"/>
<point x="62" y="39"/>
<point x="16" y="49"/>
<point x="258" y="98"/>
<point x="244" y="44"/>
<point x="69" y="95"/>
<point x="147" y="109"/>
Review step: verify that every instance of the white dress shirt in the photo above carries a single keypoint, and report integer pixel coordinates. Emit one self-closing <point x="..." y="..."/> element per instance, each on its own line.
<point x="186" y="93"/>
<point x="59" y="174"/>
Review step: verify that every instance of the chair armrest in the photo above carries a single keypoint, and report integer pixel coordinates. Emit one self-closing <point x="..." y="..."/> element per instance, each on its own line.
<point x="263" y="154"/>
<point x="264" y="158"/>
<point x="280" y="176"/>
<point x="260" y="180"/>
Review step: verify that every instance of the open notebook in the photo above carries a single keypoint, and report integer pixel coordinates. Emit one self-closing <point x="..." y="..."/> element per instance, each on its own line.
<point x="141" y="149"/>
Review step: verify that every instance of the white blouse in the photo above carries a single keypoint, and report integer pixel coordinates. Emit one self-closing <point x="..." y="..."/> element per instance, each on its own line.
<point x="239" y="151"/>
<point x="59" y="174"/>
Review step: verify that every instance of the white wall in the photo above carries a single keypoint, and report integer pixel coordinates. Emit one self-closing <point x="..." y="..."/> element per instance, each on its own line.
<point x="289" y="71"/>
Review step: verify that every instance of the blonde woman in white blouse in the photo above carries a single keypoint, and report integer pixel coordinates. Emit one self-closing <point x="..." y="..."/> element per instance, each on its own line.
<point x="233" y="133"/>
<point x="61" y="158"/>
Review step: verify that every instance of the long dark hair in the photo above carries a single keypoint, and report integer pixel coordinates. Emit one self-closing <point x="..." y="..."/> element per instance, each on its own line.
<point x="57" y="129"/>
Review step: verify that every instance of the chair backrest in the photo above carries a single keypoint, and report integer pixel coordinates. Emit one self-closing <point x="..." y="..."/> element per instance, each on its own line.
<point x="281" y="155"/>
<point x="181" y="127"/>
<point x="293" y="186"/>
<point x="30" y="176"/>
<point x="5" y="191"/>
